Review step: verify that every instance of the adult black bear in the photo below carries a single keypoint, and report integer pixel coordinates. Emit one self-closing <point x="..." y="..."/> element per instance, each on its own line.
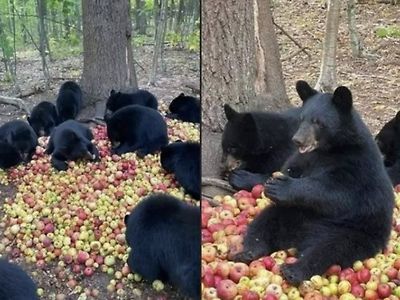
<point x="71" y="141"/>
<point x="338" y="207"/>
<point x="137" y="128"/>
<point x="15" y="284"/>
<point x="388" y="140"/>
<point x="69" y="101"/>
<point x="19" y="135"/>
<point x="9" y="156"/>
<point x="183" y="159"/>
<point x="163" y="233"/>
<point x="185" y="108"/>
<point x="118" y="100"/>
<point x="43" y="118"/>
<point x="256" y="144"/>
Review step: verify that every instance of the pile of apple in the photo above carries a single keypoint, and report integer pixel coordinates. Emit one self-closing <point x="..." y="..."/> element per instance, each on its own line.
<point x="76" y="217"/>
<point x="223" y="228"/>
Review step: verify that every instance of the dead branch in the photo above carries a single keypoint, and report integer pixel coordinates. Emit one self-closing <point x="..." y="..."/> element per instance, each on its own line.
<point x="219" y="183"/>
<point x="92" y="120"/>
<point x="210" y="200"/>
<point x="303" y="49"/>
<point x="139" y="65"/>
<point x="17" y="102"/>
<point x="193" y="86"/>
<point x="292" y="55"/>
<point x="36" y="90"/>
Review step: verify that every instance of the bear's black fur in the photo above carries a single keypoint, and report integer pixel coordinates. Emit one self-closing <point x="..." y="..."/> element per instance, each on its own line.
<point x="71" y="141"/>
<point x="163" y="233"/>
<point x="43" y="118"/>
<point x="185" y="108"/>
<point x="118" y="100"/>
<point x="256" y="144"/>
<point x="19" y="135"/>
<point x="15" y="284"/>
<point x="388" y="140"/>
<point x="337" y="206"/>
<point x="183" y="159"/>
<point x="9" y="156"/>
<point x="69" y="101"/>
<point x="137" y="128"/>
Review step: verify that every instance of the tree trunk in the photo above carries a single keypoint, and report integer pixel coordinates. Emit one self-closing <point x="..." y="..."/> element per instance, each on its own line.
<point x="240" y="62"/>
<point x="269" y="83"/>
<point x="42" y="38"/>
<point x="78" y="18"/>
<point x="140" y="17"/>
<point x="107" y="59"/>
<point x="327" y="77"/>
<point x="179" y="17"/>
<point x="54" y="31"/>
<point x="355" y="41"/>
<point x="159" y="41"/>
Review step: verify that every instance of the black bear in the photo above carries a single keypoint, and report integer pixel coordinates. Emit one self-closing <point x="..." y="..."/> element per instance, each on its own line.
<point x="388" y="140"/>
<point x="137" y="128"/>
<point x="71" y="141"/>
<point x="15" y="284"/>
<point x="118" y="100"/>
<point x="9" y="156"/>
<point x="256" y="144"/>
<point x="19" y="135"/>
<point x="183" y="159"/>
<point x="69" y="101"/>
<point x="43" y="118"/>
<point x="163" y="233"/>
<point x="338" y="206"/>
<point x="185" y="108"/>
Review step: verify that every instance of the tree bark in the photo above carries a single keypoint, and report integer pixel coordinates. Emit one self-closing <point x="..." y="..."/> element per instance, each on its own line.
<point x="40" y="5"/>
<point x="107" y="59"/>
<point x="140" y="17"/>
<point x="327" y="77"/>
<point x="355" y="40"/>
<point x="159" y="41"/>
<point x="240" y="59"/>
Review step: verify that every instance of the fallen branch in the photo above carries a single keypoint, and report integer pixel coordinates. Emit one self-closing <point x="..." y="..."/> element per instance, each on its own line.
<point x="193" y="86"/>
<point x="17" y="102"/>
<point x="219" y="183"/>
<point x="92" y="120"/>
<point x="34" y="91"/>
<point x="303" y="49"/>
<point x="210" y="200"/>
<point x="292" y="55"/>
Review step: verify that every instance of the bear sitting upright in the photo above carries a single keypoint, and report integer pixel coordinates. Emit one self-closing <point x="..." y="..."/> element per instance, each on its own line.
<point x="118" y="100"/>
<point x="183" y="159"/>
<point x="69" y="101"/>
<point x="15" y="284"/>
<point x="71" y="141"/>
<point x="20" y="136"/>
<point x="256" y="144"/>
<point x="43" y="118"/>
<point x="163" y="233"/>
<point x="136" y="128"/>
<point x="388" y="140"/>
<point x="338" y="207"/>
<point x="185" y="108"/>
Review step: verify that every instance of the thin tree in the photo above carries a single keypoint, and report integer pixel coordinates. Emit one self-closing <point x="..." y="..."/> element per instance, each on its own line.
<point x="40" y="8"/>
<point x="107" y="58"/>
<point x="356" y="44"/>
<point x="327" y="76"/>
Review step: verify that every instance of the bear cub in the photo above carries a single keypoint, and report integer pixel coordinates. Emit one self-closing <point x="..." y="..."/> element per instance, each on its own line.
<point x="185" y="108"/>
<point x="9" y="156"/>
<point x="15" y="284"/>
<point x="256" y="144"/>
<point x="334" y="201"/>
<point x="71" y="141"/>
<point x="388" y="140"/>
<point x="183" y="159"/>
<point x="43" y="118"/>
<point x="20" y="137"/>
<point x="118" y="100"/>
<point x="69" y="101"/>
<point x="163" y="233"/>
<point x="136" y="128"/>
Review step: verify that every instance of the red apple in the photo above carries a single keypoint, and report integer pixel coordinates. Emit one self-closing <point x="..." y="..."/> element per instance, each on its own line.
<point x="269" y="262"/>
<point x="257" y="190"/>
<point x="384" y="290"/>
<point x="363" y="276"/>
<point x="333" y="270"/>
<point x="222" y="269"/>
<point x="270" y="297"/>
<point x="237" y="271"/>
<point x="250" y="295"/>
<point x="226" y="289"/>
<point x="256" y="266"/>
<point x="209" y="279"/>
<point x="358" y="291"/>
<point x="392" y="273"/>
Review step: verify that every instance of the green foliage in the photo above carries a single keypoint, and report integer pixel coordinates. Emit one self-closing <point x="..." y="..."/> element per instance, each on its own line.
<point x="149" y="5"/>
<point x="388" y="31"/>
<point x="139" y="40"/>
<point x="173" y="38"/>
<point x="68" y="47"/>
<point x="193" y="41"/>
<point x="6" y="46"/>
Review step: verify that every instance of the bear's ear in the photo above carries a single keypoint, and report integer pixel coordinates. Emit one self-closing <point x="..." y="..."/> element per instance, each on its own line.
<point x="112" y="92"/>
<point x="397" y="118"/>
<point x="343" y="99"/>
<point x="126" y="219"/>
<point x="304" y="90"/>
<point x="181" y="95"/>
<point x="230" y="113"/>
<point x="29" y="120"/>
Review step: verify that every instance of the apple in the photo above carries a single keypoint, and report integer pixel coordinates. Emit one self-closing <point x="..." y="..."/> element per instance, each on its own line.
<point x="237" y="271"/>
<point x="226" y="289"/>
<point x="363" y="276"/>
<point x="358" y="291"/>
<point x="384" y="290"/>
<point x="270" y="297"/>
<point x="255" y="266"/>
<point x="269" y="262"/>
<point x="250" y="295"/>
<point x="209" y="279"/>
<point x="208" y="253"/>
<point x="257" y="190"/>
<point x="222" y="269"/>
<point x="371" y="295"/>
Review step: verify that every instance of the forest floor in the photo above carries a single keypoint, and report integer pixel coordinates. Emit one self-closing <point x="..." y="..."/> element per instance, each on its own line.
<point x="374" y="79"/>
<point x="182" y="67"/>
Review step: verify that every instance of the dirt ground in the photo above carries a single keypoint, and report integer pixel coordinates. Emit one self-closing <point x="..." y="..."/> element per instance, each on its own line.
<point x="181" y="67"/>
